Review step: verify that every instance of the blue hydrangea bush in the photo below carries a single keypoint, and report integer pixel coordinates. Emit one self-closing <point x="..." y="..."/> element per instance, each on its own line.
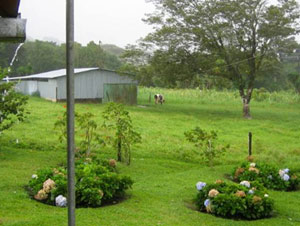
<point x="247" y="200"/>
<point x="270" y="176"/>
<point x="97" y="183"/>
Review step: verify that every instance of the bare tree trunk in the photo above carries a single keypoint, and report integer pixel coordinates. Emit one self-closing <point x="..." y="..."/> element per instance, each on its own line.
<point x="246" y="98"/>
<point x="119" y="150"/>
<point x="246" y="108"/>
<point x="129" y="156"/>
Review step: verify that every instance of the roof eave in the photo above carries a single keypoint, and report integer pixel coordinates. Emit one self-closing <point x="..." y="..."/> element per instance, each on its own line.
<point x="9" y="8"/>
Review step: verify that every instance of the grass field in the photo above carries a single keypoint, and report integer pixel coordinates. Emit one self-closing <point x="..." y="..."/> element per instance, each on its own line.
<point x="165" y="167"/>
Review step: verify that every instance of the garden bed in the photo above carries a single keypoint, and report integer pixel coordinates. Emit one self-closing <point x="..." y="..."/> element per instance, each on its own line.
<point x="97" y="183"/>
<point x="243" y="201"/>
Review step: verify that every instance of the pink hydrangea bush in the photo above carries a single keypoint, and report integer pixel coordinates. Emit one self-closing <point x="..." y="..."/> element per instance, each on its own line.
<point x="248" y="200"/>
<point x="270" y="176"/>
<point x="97" y="183"/>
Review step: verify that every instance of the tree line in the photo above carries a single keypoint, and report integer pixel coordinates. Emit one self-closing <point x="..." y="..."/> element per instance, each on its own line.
<point x="41" y="56"/>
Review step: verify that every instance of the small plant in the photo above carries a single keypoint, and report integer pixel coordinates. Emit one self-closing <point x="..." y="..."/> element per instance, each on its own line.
<point x="89" y="136"/>
<point x="12" y="104"/>
<point x="206" y="142"/>
<point x="97" y="183"/>
<point x="270" y="176"/>
<point x="294" y="79"/>
<point x="260" y="95"/>
<point x="36" y="94"/>
<point x="248" y="200"/>
<point x="118" y="122"/>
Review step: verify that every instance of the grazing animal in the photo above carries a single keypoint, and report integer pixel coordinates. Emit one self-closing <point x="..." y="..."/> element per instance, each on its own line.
<point x="159" y="98"/>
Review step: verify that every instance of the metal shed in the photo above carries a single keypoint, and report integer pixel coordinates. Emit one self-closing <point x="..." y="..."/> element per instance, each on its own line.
<point x="91" y="84"/>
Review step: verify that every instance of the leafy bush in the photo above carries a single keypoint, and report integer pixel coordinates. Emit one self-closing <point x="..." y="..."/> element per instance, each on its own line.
<point x="270" y="176"/>
<point x="12" y="104"/>
<point x="206" y="142"/>
<point x="118" y="122"/>
<point x="294" y="79"/>
<point x="36" y="94"/>
<point x="86" y="128"/>
<point x="260" y="94"/>
<point x="246" y="200"/>
<point x="97" y="183"/>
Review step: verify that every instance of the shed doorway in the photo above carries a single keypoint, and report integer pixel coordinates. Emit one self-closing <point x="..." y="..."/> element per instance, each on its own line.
<point x="120" y="93"/>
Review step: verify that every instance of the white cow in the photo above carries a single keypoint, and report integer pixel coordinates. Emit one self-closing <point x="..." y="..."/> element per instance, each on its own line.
<point x="159" y="98"/>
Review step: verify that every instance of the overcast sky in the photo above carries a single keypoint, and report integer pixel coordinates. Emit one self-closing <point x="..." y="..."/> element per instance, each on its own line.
<point x="116" y="22"/>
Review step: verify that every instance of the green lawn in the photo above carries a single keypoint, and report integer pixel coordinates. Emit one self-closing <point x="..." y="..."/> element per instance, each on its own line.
<point x="165" y="167"/>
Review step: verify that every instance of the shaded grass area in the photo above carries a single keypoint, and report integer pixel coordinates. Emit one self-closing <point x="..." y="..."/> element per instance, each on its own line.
<point x="165" y="167"/>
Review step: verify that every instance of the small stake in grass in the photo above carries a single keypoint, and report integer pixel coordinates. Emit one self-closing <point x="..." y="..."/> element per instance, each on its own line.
<point x="250" y="144"/>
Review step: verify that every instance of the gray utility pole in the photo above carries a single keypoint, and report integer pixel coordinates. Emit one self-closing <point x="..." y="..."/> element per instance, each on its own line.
<point x="70" y="111"/>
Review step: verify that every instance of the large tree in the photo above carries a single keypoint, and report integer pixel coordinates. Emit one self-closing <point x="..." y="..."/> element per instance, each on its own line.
<point x="238" y="38"/>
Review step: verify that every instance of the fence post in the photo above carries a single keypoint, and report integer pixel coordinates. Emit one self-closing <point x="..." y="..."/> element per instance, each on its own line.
<point x="250" y="144"/>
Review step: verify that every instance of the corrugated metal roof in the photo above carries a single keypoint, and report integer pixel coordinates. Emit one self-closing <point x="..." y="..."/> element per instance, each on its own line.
<point x="52" y="74"/>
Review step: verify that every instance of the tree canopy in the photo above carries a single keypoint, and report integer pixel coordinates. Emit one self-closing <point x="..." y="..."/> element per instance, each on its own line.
<point x="236" y="40"/>
<point x="40" y="56"/>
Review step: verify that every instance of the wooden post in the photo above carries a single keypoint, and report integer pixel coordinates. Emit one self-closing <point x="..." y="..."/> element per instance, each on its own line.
<point x="250" y="144"/>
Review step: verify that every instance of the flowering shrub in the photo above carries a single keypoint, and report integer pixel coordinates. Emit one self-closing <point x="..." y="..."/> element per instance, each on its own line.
<point x="247" y="200"/>
<point x="268" y="175"/>
<point x="97" y="183"/>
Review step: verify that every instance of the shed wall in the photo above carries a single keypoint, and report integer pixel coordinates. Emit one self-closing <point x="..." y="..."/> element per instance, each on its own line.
<point x="27" y="87"/>
<point x="89" y="85"/>
<point x="47" y="89"/>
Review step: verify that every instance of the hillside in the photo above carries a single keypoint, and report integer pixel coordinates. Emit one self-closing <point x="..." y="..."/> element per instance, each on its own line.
<point x="112" y="49"/>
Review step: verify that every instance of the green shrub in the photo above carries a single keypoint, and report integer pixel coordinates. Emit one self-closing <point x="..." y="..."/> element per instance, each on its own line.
<point x="36" y="94"/>
<point x="248" y="201"/>
<point x="270" y="176"/>
<point x="118" y="124"/>
<point x="97" y="183"/>
<point x="206" y="142"/>
<point x="87" y="132"/>
<point x="12" y="104"/>
<point x="260" y="94"/>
